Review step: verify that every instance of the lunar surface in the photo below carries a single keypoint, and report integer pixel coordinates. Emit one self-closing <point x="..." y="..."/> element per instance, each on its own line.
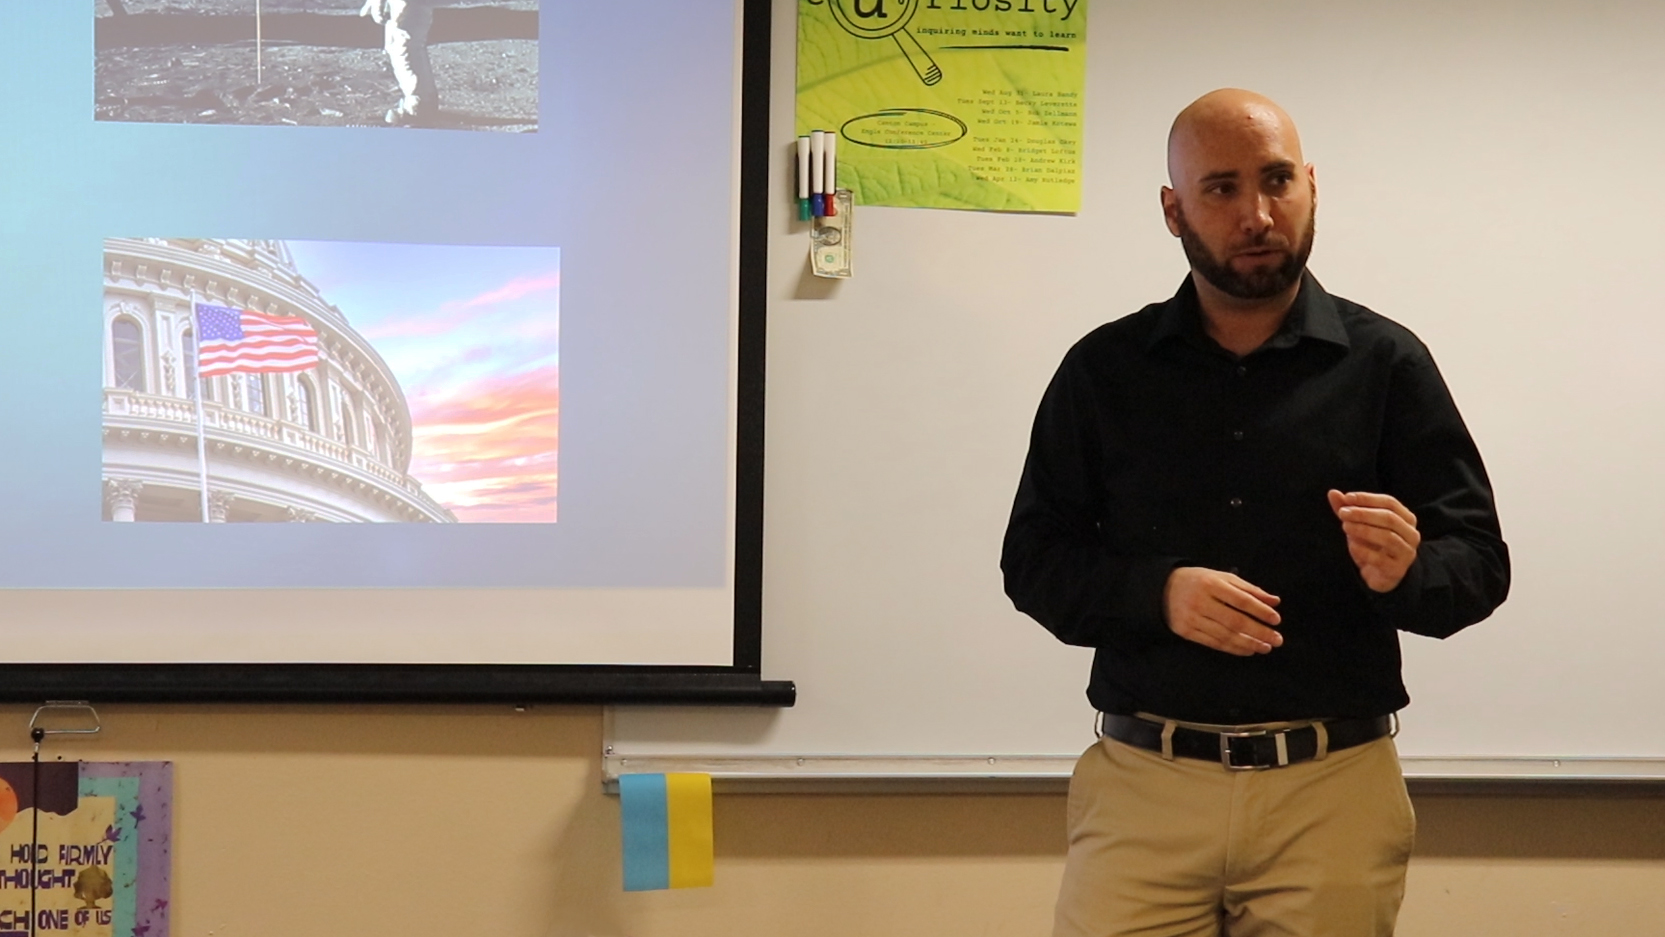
<point x="334" y="74"/>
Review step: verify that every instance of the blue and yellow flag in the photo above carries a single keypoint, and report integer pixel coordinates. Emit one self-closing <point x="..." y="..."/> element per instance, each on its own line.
<point x="666" y="820"/>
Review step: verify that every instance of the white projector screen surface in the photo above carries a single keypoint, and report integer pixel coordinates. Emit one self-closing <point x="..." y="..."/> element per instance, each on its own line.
<point x="465" y="372"/>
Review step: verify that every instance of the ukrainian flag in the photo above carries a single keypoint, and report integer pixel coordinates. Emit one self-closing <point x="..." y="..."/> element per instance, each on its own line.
<point x="666" y="821"/>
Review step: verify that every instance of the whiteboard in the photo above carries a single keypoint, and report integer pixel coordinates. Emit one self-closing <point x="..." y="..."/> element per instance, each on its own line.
<point x="1489" y="175"/>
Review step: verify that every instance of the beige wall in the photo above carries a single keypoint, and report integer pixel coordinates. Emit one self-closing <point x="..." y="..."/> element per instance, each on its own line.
<point x="416" y="822"/>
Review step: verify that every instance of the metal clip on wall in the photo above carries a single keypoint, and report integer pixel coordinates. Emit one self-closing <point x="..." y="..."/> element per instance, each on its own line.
<point x="38" y="723"/>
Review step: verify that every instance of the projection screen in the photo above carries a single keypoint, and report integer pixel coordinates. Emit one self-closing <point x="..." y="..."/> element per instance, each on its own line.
<point x="407" y="349"/>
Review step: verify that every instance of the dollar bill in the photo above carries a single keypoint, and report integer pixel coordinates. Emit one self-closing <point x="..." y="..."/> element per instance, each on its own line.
<point x="829" y="242"/>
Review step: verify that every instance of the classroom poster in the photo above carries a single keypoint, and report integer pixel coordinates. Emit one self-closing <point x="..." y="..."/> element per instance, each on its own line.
<point x="972" y="104"/>
<point x="100" y="836"/>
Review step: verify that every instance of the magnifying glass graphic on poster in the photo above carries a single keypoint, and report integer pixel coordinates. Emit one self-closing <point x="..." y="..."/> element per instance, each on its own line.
<point x="876" y="19"/>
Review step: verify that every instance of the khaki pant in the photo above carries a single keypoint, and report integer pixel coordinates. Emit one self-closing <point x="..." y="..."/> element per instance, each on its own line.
<point x="1186" y="848"/>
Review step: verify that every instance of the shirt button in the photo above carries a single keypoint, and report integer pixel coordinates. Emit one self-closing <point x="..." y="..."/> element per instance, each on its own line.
<point x="1242" y="370"/>
<point x="1237" y="502"/>
<point x="1235" y="571"/>
<point x="1237" y="434"/>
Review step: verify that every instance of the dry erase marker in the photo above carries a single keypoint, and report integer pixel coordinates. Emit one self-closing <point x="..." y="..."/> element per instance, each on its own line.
<point x="803" y="179"/>
<point x="831" y="188"/>
<point x="817" y="172"/>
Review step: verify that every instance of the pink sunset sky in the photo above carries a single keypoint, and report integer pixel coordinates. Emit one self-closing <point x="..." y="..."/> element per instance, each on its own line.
<point x="472" y="335"/>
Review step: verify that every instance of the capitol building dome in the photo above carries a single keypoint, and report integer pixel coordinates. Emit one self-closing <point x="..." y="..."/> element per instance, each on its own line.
<point x="332" y="443"/>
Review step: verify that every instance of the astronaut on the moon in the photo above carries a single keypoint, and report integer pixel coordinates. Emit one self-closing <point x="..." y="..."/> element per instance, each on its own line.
<point x="405" y="26"/>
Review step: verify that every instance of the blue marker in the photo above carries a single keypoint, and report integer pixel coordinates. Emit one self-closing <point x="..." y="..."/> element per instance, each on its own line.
<point x="818" y="172"/>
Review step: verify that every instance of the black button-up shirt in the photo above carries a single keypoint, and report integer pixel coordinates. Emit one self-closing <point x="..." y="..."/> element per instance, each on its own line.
<point x="1156" y="448"/>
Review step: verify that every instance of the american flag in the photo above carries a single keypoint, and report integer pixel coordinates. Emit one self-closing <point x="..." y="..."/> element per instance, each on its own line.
<point x="231" y="341"/>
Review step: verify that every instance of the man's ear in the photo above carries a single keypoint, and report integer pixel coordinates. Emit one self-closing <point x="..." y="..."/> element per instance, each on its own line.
<point x="1170" y="210"/>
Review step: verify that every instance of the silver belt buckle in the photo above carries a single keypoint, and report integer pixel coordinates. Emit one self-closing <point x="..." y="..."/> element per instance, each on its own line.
<point x="1280" y="740"/>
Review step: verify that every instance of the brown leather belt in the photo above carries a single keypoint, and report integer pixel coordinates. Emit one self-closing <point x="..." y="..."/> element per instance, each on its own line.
<point x="1251" y="747"/>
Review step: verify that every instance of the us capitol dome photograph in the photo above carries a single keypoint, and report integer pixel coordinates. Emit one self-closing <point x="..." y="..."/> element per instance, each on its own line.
<point x="330" y="443"/>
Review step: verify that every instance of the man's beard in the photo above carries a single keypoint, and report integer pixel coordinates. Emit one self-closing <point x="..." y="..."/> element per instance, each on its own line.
<point x="1258" y="283"/>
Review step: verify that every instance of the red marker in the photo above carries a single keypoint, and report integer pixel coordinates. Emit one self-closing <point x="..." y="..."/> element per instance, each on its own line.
<point x="831" y="173"/>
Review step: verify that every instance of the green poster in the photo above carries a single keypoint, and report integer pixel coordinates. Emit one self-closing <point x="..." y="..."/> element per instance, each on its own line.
<point x="948" y="103"/>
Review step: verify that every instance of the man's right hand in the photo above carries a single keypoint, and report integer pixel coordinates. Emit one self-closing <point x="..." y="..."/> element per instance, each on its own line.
<point x="1221" y="611"/>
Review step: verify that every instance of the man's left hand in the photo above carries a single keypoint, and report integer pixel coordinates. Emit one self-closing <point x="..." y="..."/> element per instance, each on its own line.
<point x="1381" y="536"/>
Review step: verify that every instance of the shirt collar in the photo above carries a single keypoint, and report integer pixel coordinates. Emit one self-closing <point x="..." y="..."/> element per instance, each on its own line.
<point x="1312" y="315"/>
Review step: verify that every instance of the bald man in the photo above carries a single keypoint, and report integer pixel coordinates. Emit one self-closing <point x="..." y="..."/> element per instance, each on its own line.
<point x="1238" y="497"/>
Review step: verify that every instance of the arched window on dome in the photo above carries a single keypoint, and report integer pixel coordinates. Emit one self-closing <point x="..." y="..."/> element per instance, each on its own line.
<point x="254" y="395"/>
<point x="127" y="353"/>
<point x="370" y="438"/>
<point x="349" y="429"/>
<point x="304" y="402"/>
<point x="332" y="420"/>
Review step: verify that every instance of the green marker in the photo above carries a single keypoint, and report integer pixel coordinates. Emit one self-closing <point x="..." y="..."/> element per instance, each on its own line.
<point x="804" y="213"/>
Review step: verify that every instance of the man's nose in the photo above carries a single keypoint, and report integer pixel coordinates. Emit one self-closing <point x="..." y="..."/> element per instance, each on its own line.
<point x="1257" y="213"/>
